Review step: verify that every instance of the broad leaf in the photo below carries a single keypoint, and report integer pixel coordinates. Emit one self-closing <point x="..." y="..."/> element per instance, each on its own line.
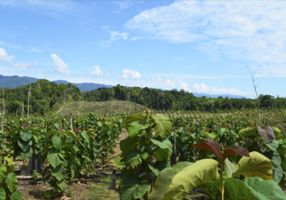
<point x="255" y="165"/>
<point x="16" y="196"/>
<point x="25" y="136"/>
<point x="248" y="132"/>
<point x="134" y="128"/>
<point x="57" y="142"/>
<point x="163" y="125"/>
<point x="236" y="150"/>
<point x="229" y="168"/>
<point x="134" y="192"/>
<point x="85" y="137"/>
<point x="267" y="188"/>
<point x="24" y="146"/>
<point x="128" y="144"/>
<point x="236" y="189"/>
<point x="3" y="171"/>
<point x="11" y="182"/>
<point x="267" y="134"/>
<point x="58" y="175"/>
<point x="164" y="179"/>
<point x="253" y="188"/>
<point x="211" y="146"/>
<point x="54" y="159"/>
<point x="2" y="194"/>
<point x="191" y="177"/>
<point x="163" y="150"/>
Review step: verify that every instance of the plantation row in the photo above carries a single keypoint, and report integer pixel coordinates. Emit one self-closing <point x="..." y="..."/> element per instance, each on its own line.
<point x="56" y="150"/>
<point x="162" y="157"/>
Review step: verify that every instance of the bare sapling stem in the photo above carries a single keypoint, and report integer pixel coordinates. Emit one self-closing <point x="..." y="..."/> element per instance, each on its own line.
<point x="28" y="102"/>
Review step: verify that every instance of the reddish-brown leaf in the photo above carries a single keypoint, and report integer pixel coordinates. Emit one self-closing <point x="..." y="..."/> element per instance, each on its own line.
<point x="211" y="146"/>
<point x="236" y="150"/>
<point x="267" y="133"/>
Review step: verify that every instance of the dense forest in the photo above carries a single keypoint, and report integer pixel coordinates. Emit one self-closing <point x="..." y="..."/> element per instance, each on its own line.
<point x="180" y="99"/>
<point x="44" y="96"/>
<point x="39" y="97"/>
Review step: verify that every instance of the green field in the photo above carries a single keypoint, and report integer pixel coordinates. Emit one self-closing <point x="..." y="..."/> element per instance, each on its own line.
<point x="102" y="108"/>
<point x="166" y="155"/>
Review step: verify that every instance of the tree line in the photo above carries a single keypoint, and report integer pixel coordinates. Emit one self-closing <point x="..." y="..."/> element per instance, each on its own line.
<point x="37" y="98"/>
<point x="44" y="96"/>
<point x="180" y="99"/>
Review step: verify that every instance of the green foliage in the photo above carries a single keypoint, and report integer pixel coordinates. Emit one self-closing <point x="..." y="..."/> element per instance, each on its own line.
<point x="8" y="180"/>
<point x="145" y="152"/>
<point x="181" y="182"/>
<point x="255" y="165"/>
<point x="189" y="178"/>
<point x="253" y="188"/>
<point x="45" y="97"/>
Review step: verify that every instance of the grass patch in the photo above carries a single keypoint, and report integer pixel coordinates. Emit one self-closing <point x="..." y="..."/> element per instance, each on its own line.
<point x="102" y="108"/>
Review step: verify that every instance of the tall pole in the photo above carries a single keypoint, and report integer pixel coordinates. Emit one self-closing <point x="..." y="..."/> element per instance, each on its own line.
<point x="28" y="106"/>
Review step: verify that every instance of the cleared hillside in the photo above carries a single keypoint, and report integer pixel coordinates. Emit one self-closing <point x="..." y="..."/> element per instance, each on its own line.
<point x="101" y="108"/>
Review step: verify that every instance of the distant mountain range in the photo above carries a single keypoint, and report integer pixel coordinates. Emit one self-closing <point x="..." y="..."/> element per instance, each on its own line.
<point x="218" y="95"/>
<point x="16" y="81"/>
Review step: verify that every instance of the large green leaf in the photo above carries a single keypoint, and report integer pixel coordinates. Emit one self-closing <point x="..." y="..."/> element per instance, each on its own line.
<point x="128" y="144"/>
<point x="57" y="142"/>
<point x="24" y="146"/>
<point x="163" y="125"/>
<point x="3" y="171"/>
<point x="85" y="137"/>
<point x="276" y="160"/>
<point x="191" y="177"/>
<point x="54" y="159"/>
<point x="163" y="150"/>
<point x="16" y="196"/>
<point x="136" y="191"/>
<point x="236" y="189"/>
<point x="134" y="117"/>
<point x="255" y="165"/>
<point x="134" y="159"/>
<point x="2" y="194"/>
<point x="253" y="188"/>
<point x="11" y="182"/>
<point x="134" y="128"/>
<point x="164" y="179"/>
<point x="58" y="175"/>
<point x="277" y="169"/>
<point x="229" y="168"/>
<point x="248" y="132"/>
<point x="25" y="136"/>
<point x="267" y="188"/>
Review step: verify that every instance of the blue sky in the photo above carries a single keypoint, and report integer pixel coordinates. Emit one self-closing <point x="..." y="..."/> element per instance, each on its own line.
<point x="199" y="46"/>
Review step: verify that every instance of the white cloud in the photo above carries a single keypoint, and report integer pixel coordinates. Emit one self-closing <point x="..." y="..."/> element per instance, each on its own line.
<point x="184" y="86"/>
<point x="203" y="88"/>
<point x="23" y="65"/>
<point x="96" y="70"/>
<point x="50" y="5"/>
<point x="60" y="65"/>
<point x="129" y="73"/>
<point x="252" y="31"/>
<point x="116" y="35"/>
<point x="123" y="4"/>
<point x="4" y="56"/>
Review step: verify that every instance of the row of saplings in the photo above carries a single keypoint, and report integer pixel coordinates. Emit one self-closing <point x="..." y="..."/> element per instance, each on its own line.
<point x="55" y="155"/>
<point x="231" y="173"/>
<point x="150" y="169"/>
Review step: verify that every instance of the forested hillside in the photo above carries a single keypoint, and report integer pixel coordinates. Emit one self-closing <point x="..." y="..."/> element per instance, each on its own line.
<point x="180" y="100"/>
<point x="41" y="97"/>
<point x="46" y="96"/>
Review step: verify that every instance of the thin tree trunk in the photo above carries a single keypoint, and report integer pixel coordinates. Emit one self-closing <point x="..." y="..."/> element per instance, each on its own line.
<point x="28" y="106"/>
